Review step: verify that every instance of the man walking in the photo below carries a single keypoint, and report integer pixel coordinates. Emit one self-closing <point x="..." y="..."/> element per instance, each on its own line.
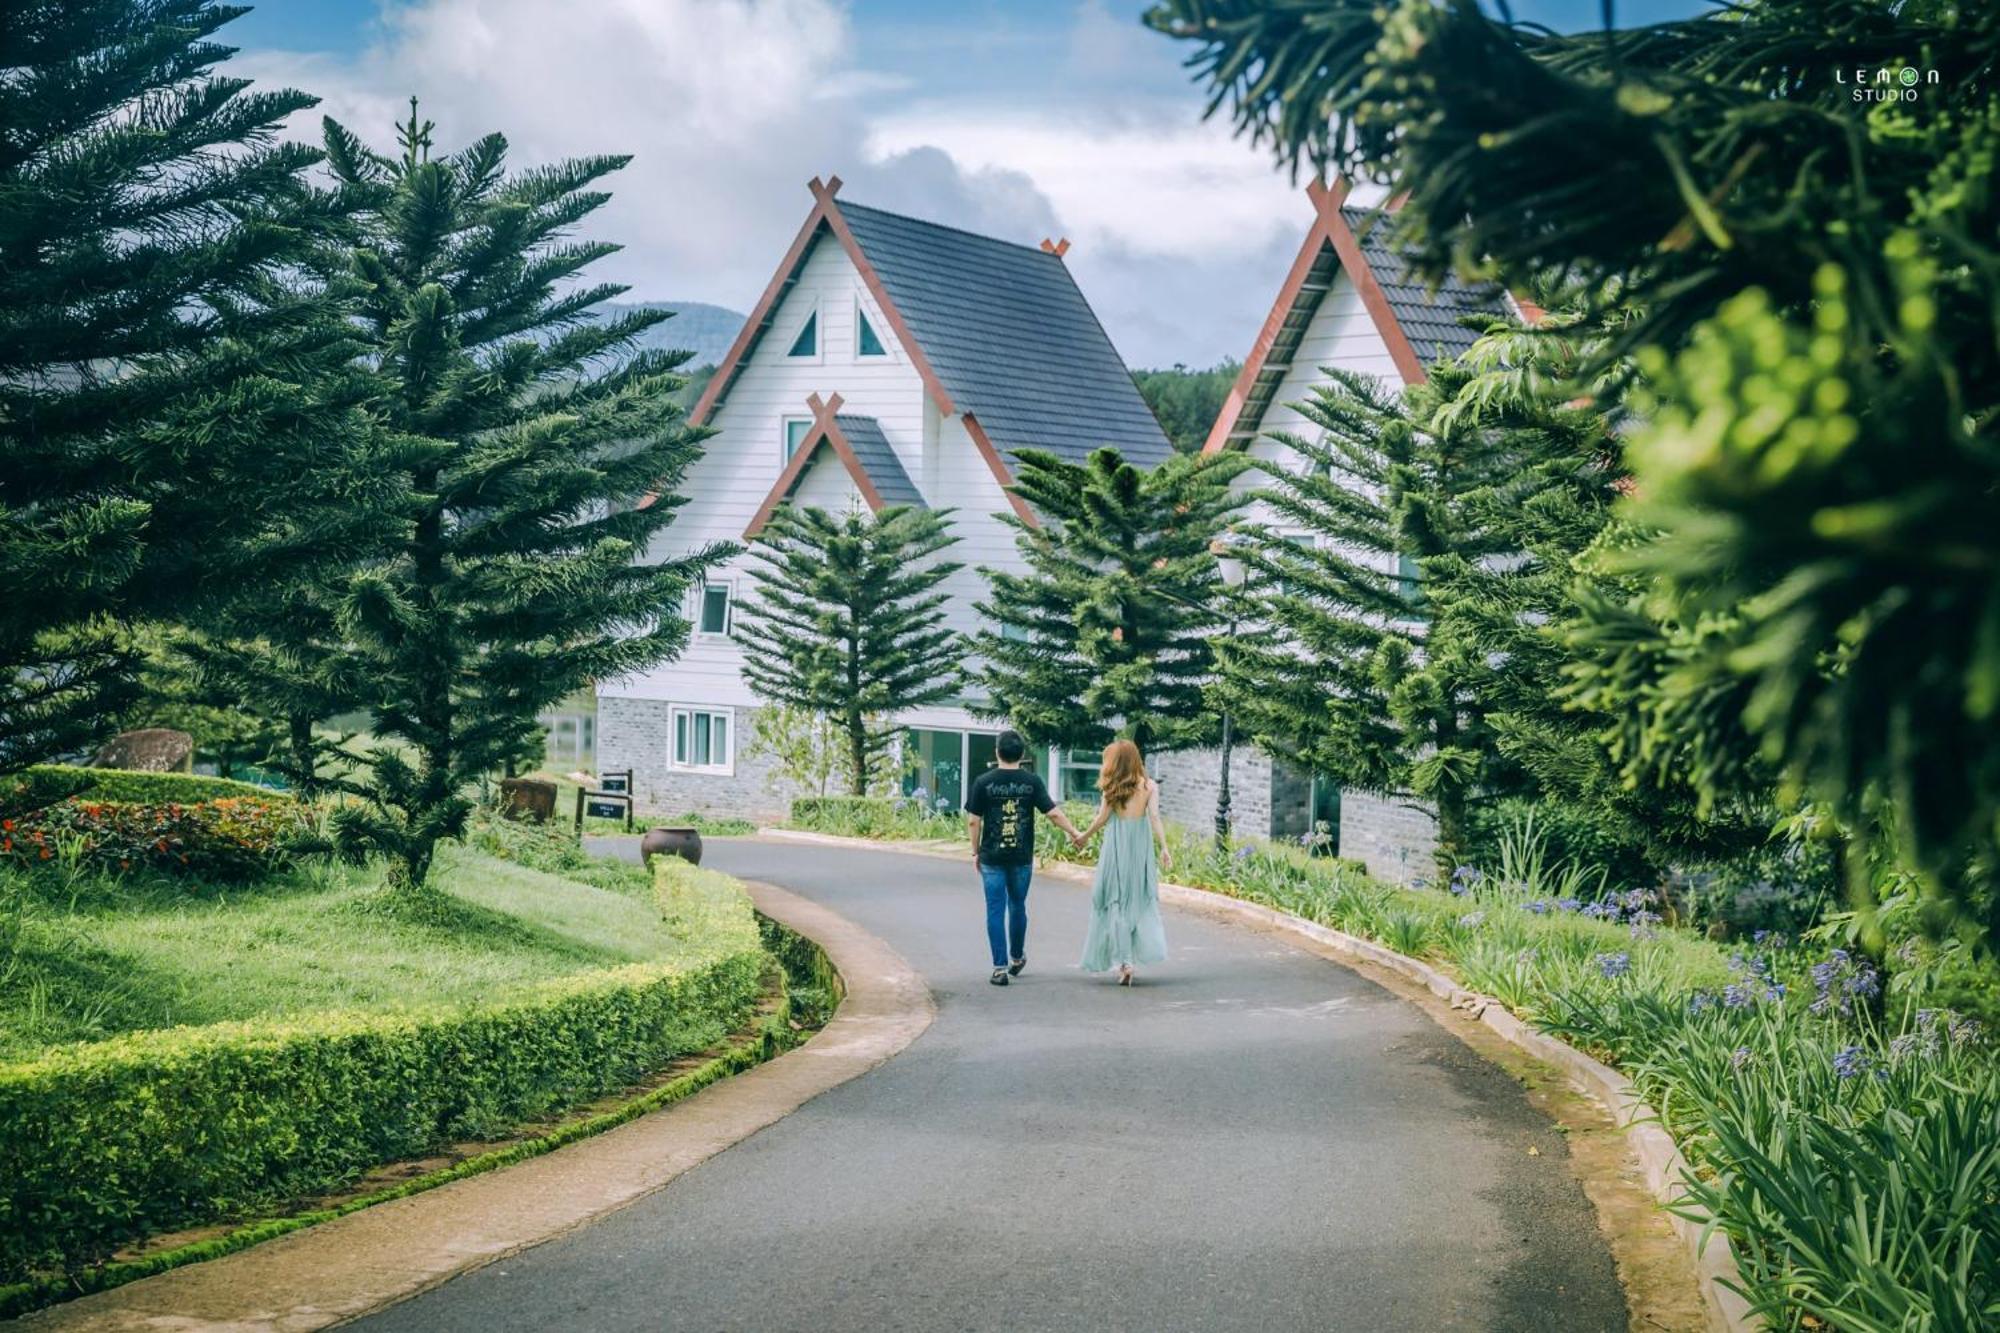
<point x="1000" y="815"/>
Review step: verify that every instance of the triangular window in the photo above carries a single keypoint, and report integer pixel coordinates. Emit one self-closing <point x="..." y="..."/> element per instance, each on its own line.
<point x="807" y="343"/>
<point x="865" y="337"/>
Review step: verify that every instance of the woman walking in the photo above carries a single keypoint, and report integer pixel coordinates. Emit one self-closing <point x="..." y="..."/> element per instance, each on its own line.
<point x="1125" y="924"/>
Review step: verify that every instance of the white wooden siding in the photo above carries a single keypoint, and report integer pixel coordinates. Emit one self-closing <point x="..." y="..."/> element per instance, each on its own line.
<point x="743" y="461"/>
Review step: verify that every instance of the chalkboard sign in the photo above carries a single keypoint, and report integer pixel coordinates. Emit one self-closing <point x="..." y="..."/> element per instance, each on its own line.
<point x="602" y="809"/>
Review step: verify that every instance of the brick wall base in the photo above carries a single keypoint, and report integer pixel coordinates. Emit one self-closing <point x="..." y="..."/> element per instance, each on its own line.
<point x="636" y="734"/>
<point x="1395" y="838"/>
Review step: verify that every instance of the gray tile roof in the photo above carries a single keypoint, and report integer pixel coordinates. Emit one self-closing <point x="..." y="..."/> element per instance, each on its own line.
<point x="1011" y="337"/>
<point x="879" y="460"/>
<point x="1430" y="320"/>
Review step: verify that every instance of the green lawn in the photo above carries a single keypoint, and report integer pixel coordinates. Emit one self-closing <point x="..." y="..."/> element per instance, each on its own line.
<point x="107" y="963"/>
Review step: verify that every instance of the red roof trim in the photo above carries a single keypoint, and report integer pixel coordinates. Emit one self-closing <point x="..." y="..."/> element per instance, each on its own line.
<point x="826" y="210"/>
<point x="1329" y="228"/>
<point x="824" y="428"/>
<point x="998" y="466"/>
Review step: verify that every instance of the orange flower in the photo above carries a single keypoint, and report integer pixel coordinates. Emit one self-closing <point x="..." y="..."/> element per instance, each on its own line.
<point x="7" y="824"/>
<point x="46" y="853"/>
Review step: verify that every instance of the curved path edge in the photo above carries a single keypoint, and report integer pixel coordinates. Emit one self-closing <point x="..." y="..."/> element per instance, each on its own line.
<point x="1659" y="1157"/>
<point x="355" y="1265"/>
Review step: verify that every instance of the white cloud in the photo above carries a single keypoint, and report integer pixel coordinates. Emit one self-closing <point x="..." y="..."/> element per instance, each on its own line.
<point x="727" y="106"/>
<point x="730" y="106"/>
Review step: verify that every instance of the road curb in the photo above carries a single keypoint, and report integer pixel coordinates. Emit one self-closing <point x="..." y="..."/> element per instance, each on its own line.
<point x="355" y="1265"/>
<point x="1659" y="1157"/>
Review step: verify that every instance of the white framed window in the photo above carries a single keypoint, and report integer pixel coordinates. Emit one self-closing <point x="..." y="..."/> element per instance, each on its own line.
<point x="805" y="342"/>
<point x="714" y="610"/>
<point x="796" y="430"/>
<point x="701" y="740"/>
<point x="868" y="344"/>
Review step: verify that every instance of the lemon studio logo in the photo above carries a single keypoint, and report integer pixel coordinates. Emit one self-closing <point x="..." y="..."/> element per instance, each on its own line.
<point x="1885" y="83"/>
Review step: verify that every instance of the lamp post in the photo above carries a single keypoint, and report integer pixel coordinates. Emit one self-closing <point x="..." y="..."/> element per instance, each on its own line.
<point x="1230" y="565"/>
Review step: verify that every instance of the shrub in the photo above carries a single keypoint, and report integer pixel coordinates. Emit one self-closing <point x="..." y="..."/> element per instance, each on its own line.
<point x="103" y="1143"/>
<point x="916" y="816"/>
<point x="233" y="837"/>
<point x="46" y="782"/>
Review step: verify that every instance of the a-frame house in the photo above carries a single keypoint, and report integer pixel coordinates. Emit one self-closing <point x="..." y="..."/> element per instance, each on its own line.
<point x="889" y="361"/>
<point x="1347" y="303"/>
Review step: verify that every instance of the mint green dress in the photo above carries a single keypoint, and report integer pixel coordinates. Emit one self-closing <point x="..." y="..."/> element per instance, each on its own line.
<point x="1125" y="927"/>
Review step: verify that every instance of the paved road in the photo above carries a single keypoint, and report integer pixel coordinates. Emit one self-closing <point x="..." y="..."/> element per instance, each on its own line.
<point x="1253" y="1138"/>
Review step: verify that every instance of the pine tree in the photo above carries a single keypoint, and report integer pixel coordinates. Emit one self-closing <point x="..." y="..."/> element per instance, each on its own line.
<point x="159" y="371"/>
<point x="1357" y="671"/>
<point x="848" y="623"/>
<point x="1110" y="631"/>
<point x="1554" y="511"/>
<point x="522" y="438"/>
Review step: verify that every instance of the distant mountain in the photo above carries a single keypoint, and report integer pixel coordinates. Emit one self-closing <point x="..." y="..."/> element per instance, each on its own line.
<point x="706" y="330"/>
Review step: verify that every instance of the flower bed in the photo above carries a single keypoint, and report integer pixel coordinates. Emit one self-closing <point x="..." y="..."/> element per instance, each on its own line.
<point x="230" y="837"/>
<point x="1846" y="1139"/>
<point x="104" y="1142"/>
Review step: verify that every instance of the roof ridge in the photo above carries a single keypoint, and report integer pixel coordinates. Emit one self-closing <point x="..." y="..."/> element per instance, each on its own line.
<point x="844" y="204"/>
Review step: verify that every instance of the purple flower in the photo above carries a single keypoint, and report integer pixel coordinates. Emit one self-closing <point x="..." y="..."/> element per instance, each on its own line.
<point x="1701" y="1002"/>
<point x="1471" y="919"/>
<point x="1245" y="852"/>
<point x="1768" y="939"/>
<point x="1904" y="1046"/>
<point x="1539" y="906"/>
<point x="1738" y="995"/>
<point x="1965" y="1031"/>
<point x="1465" y="879"/>
<point x="1568" y="904"/>
<point x="1739" y="1057"/>
<point x="1599" y="911"/>
<point x="1840" y="979"/>
<point x="1851" y="1060"/>
<point x="1614" y="965"/>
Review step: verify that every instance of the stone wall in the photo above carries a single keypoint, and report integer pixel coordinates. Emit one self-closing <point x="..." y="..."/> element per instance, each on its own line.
<point x="636" y="734"/>
<point x="1188" y="787"/>
<point x="1394" y="838"/>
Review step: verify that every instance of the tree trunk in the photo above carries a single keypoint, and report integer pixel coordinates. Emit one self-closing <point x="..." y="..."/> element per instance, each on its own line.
<point x="1453" y="835"/>
<point x="299" y="731"/>
<point x="857" y="744"/>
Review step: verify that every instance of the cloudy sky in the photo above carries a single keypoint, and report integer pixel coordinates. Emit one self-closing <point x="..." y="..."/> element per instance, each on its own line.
<point x="1024" y="119"/>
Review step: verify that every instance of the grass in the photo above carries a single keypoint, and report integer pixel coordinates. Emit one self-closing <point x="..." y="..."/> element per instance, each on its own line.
<point x="108" y="957"/>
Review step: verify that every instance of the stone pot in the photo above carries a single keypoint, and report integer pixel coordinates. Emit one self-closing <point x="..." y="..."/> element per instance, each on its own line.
<point x="680" y="841"/>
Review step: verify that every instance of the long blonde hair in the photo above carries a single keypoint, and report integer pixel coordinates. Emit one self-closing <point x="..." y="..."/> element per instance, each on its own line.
<point x="1123" y="774"/>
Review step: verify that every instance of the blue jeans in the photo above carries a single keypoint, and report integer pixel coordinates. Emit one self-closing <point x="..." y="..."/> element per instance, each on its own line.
<point x="1006" y="909"/>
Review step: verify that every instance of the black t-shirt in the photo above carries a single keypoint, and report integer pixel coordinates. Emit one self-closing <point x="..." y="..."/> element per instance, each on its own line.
<point x="1007" y="799"/>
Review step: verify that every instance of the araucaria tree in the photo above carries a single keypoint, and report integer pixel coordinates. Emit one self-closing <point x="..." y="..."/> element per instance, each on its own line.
<point x="525" y="433"/>
<point x="165" y="425"/>
<point x="848" y="623"/>
<point x="1110" y="632"/>
<point x="1355" y="670"/>
<point x="1812" y="263"/>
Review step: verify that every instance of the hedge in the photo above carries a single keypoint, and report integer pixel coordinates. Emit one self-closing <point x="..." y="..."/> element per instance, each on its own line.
<point x="104" y="1143"/>
<point x="118" y="784"/>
